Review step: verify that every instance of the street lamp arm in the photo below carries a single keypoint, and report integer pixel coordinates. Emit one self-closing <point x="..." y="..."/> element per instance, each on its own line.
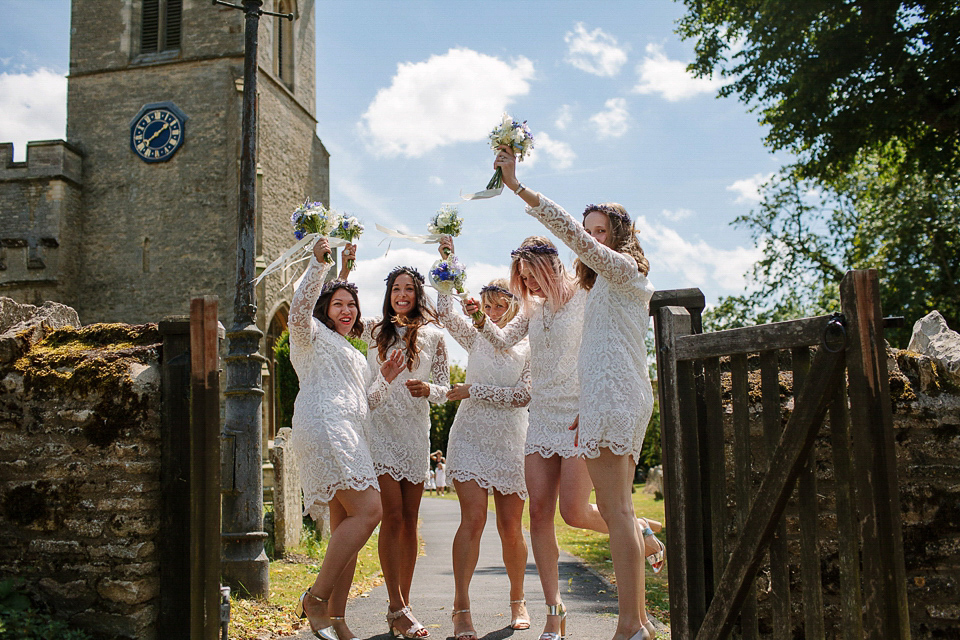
<point x="260" y="12"/>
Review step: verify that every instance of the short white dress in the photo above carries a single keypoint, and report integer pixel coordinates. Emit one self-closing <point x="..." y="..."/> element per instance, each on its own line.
<point x="398" y="429"/>
<point x="487" y="437"/>
<point x="332" y="405"/>
<point x="554" y="391"/>
<point x="616" y="398"/>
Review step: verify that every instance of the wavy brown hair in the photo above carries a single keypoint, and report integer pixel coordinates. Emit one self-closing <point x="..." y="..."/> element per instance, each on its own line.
<point x="385" y="332"/>
<point x="321" y="310"/>
<point x="622" y="237"/>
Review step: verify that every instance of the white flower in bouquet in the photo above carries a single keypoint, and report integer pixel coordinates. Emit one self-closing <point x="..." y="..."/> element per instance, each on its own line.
<point x="447" y="221"/>
<point x="448" y="276"/>
<point x="514" y="134"/>
<point x="313" y="217"/>
<point x="348" y="228"/>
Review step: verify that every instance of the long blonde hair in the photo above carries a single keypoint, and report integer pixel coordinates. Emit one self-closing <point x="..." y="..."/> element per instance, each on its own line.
<point x="541" y="256"/>
<point x="622" y="238"/>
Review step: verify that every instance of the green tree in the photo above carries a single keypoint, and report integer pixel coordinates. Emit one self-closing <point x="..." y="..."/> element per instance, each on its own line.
<point x="442" y="415"/>
<point x="834" y="79"/>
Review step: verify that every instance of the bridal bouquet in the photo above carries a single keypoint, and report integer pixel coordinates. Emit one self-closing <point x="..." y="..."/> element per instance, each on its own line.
<point x="447" y="221"/>
<point x="349" y="229"/>
<point x="517" y="136"/>
<point x="314" y="218"/>
<point x="448" y="277"/>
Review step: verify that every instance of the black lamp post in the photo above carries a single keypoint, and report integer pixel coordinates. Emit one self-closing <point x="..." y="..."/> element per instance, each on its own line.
<point x="245" y="566"/>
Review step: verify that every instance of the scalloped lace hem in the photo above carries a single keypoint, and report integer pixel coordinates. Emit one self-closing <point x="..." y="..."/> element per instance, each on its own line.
<point x="549" y="452"/>
<point x="591" y="449"/>
<point x="323" y="496"/>
<point x="420" y="478"/>
<point x="483" y="483"/>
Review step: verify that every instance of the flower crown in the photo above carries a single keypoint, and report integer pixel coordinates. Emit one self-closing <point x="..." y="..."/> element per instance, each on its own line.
<point x="536" y="249"/>
<point x="411" y="271"/>
<point x="332" y="285"/>
<point x="492" y="288"/>
<point x="607" y="209"/>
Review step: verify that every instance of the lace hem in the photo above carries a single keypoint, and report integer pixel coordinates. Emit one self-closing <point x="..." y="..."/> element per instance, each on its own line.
<point x="396" y="474"/>
<point x="548" y="452"/>
<point x="325" y="494"/>
<point x="484" y="483"/>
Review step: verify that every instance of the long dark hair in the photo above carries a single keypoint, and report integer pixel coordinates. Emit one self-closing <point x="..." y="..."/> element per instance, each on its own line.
<point x="321" y="310"/>
<point x="622" y="238"/>
<point x="385" y="332"/>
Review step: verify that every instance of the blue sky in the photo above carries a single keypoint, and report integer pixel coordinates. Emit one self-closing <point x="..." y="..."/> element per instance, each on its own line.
<point x="408" y="91"/>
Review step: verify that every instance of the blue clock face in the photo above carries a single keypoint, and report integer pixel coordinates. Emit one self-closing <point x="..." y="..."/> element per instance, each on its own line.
<point x="157" y="134"/>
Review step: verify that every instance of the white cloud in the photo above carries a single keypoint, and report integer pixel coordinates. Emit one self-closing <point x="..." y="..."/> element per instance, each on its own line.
<point x="614" y="121"/>
<point x="435" y="180"/>
<point x="699" y="263"/>
<point x="449" y="98"/>
<point x="669" y="78"/>
<point x="33" y="106"/>
<point x="748" y="189"/>
<point x="676" y="215"/>
<point x="558" y="154"/>
<point x="564" y="117"/>
<point x="594" y="51"/>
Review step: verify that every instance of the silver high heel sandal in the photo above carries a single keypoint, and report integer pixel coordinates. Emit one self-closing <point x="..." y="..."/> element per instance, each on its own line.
<point x="519" y="623"/>
<point x="410" y="633"/>
<point x="643" y="634"/>
<point x="338" y="635"/>
<point x="652" y="630"/>
<point x="557" y="610"/>
<point x="469" y="633"/>
<point x="657" y="558"/>
<point x="327" y="633"/>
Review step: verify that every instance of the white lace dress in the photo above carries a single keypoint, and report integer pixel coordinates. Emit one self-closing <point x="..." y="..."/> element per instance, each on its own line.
<point x="398" y="429"/>
<point x="331" y="407"/>
<point x="616" y="398"/>
<point x="489" y="431"/>
<point x="554" y="392"/>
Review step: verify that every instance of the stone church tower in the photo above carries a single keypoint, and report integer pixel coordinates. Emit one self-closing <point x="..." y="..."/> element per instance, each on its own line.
<point x="137" y="211"/>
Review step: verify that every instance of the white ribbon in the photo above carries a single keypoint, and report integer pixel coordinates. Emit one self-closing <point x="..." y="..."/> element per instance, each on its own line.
<point x="482" y="195"/>
<point x="429" y="238"/>
<point x="304" y="245"/>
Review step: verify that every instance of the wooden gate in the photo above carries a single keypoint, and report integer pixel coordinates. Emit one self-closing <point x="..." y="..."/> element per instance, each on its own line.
<point x="756" y="507"/>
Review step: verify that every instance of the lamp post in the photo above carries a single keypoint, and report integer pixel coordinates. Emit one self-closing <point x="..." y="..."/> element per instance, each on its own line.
<point x="245" y="566"/>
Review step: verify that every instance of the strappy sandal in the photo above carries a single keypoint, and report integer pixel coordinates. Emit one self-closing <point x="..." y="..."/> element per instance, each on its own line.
<point x="338" y="635"/>
<point x="469" y="633"/>
<point x="519" y="623"/>
<point x="652" y="630"/>
<point x="327" y="633"/>
<point x="556" y="610"/>
<point x="410" y="633"/>
<point x="658" y="558"/>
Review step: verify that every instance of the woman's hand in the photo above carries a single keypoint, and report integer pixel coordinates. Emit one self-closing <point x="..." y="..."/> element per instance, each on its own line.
<point x="459" y="392"/>
<point x="321" y="248"/>
<point x="576" y="427"/>
<point x="349" y="254"/>
<point x="393" y="365"/>
<point x="446" y="246"/>
<point x="506" y="161"/>
<point x="418" y="388"/>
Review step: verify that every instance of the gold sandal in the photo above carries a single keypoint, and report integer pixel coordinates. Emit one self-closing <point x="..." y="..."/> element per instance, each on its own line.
<point x="519" y="623"/>
<point x="341" y="618"/>
<point x="469" y="633"/>
<point x="410" y="633"/>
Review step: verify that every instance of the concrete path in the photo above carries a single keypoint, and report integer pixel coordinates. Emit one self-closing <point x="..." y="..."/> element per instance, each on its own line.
<point x="591" y="604"/>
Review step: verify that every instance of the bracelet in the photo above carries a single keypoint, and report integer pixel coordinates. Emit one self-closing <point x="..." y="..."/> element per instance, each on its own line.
<point x="519" y="188"/>
<point x="478" y="324"/>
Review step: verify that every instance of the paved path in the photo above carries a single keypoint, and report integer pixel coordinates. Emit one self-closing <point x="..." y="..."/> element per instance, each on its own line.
<point x="591" y="604"/>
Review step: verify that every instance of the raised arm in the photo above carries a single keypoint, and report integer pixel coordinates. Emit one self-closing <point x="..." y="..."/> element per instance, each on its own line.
<point x="301" y="322"/>
<point x="515" y="331"/>
<point x="458" y="326"/>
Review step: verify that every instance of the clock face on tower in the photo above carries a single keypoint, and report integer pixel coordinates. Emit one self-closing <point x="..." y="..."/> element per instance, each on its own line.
<point x="157" y="131"/>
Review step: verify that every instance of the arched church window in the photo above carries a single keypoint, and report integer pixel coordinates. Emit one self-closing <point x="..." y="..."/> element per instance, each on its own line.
<point x="283" y="43"/>
<point x="161" y="25"/>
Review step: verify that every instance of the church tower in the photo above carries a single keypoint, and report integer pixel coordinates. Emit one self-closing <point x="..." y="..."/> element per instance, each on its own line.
<point x="154" y="108"/>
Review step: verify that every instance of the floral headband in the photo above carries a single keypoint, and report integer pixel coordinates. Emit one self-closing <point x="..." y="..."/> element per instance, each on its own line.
<point x="607" y="209"/>
<point x="332" y="285"/>
<point x="536" y="249"/>
<point x="492" y="288"/>
<point x="411" y="271"/>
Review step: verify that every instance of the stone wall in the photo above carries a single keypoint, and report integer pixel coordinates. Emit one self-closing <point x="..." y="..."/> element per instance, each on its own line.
<point x="80" y="460"/>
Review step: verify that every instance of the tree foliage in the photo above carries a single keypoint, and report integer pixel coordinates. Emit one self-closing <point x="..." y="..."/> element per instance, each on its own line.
<point x="834" y="79"/>
<point x="442" y="415"/>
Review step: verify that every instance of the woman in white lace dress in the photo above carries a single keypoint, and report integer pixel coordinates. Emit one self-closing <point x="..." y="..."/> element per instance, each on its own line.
<point x="616" y="398"/>
<point x="399" y="430"/>
<point x="328" y="434"/>
<point x="486" y="448"/>
<point x="552" y="315"/>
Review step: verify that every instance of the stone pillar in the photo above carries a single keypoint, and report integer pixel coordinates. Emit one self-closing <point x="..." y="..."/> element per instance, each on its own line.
<point x="287" y="505"/>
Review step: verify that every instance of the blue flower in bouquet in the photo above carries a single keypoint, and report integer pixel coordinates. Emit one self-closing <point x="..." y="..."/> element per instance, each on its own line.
<point x="349" y="228"/>
<point x="447" y="221"/>
<point x="313" y="217"/>
<point x="514" y="134"/>
<point x="448" y="276"/>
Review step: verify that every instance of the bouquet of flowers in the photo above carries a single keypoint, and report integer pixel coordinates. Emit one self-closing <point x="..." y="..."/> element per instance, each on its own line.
<point x="313" y="217"/>
<point x="518" y="137"/>
<point x="349" y="229"/>
<point x="448" y="277"/>
<point x="446" y="222"/>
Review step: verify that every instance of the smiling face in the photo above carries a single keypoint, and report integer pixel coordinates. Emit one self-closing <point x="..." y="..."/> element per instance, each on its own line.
<point x="530" y="281"/>
<point x="495" y="306"/>
<point x="403" y="295"/>
<point x="343" y="311"/>
<point x="597" y="224"/>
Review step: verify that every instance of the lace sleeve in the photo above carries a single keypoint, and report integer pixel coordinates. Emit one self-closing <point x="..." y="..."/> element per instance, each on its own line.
<point x="510" y="335"/>
<point x="439" y="374"/>
<point x="367" y="335"/>
<point x="301" y="322"/>
<point x="378" y="390"/>
<point x="518" y="396"/>
<point x="611" y="265"/>
<point x="458" y="326"/>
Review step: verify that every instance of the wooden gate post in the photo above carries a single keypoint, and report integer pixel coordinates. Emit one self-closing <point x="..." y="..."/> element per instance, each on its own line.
<point x="884" y="578"/>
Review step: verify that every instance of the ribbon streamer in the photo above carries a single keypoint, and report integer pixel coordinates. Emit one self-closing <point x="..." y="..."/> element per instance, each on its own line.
<point x="482" y="195"/>
<point x="429" y="238"/>
<point x="286" y="260"/>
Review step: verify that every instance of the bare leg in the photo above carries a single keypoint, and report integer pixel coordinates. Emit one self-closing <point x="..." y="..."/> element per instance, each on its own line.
<point x="341" y="589"/>
<point x="398" y="543"/>
<point x="466" y="550"/>
<point x="543" y="485"/>
<point x="510" y="528"/>
<point x="613" y="479"/>
<point x="360" y="515"/>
